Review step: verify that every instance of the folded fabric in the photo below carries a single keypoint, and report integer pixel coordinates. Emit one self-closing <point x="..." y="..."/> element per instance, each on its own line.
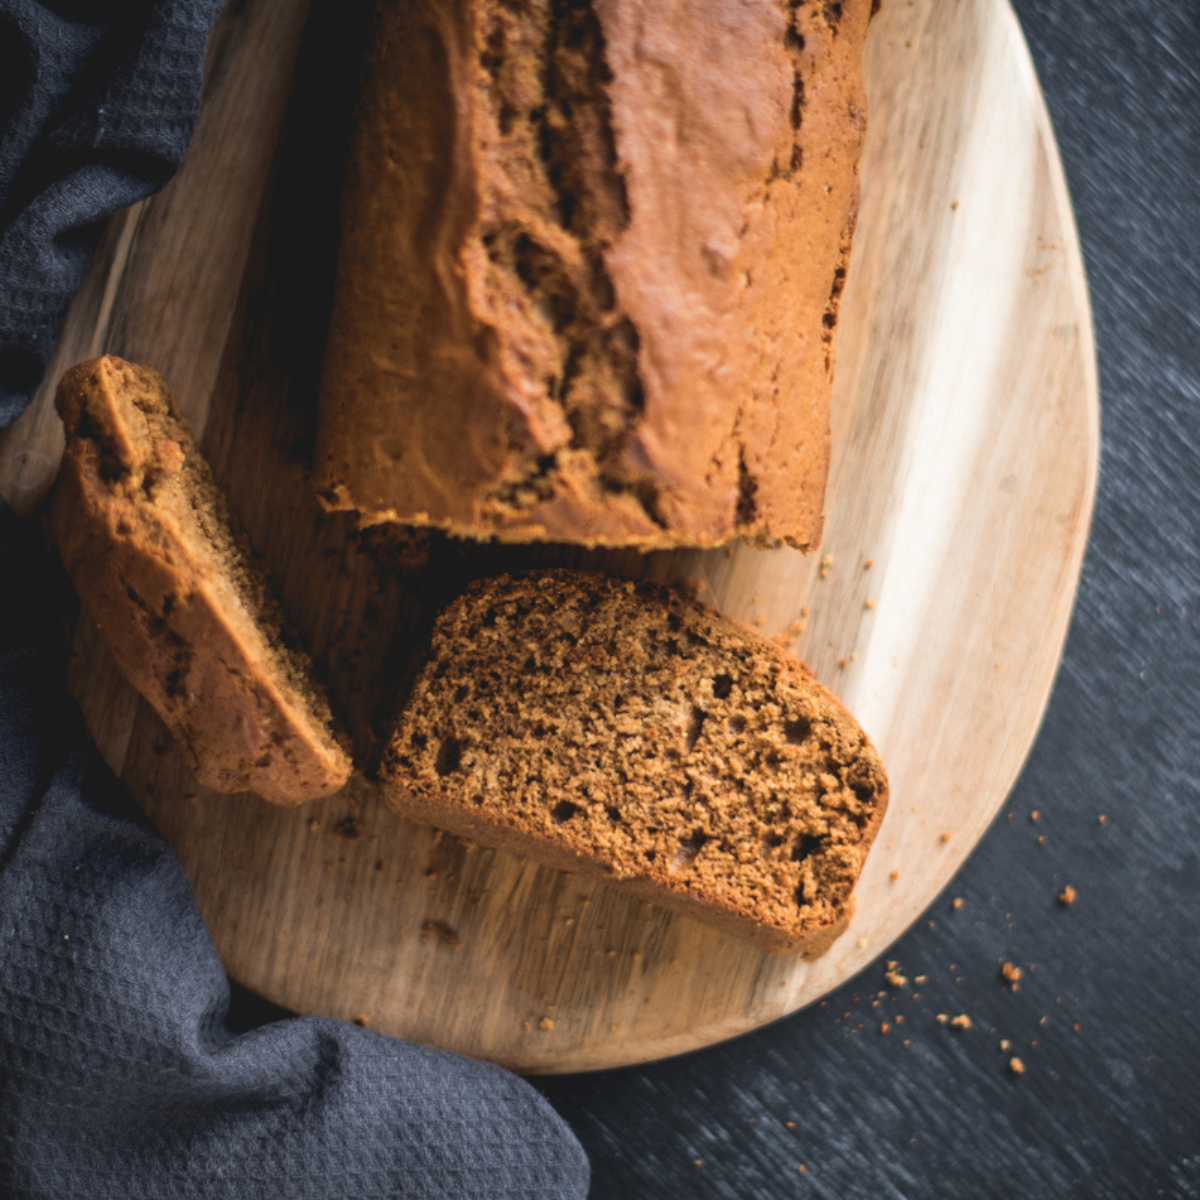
<point x="118" y="1075"/>
<point x="97" y="103"/>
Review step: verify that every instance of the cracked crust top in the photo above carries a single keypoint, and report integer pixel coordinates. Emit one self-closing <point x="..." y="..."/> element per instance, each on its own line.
<point x="591" y="259"/>
<point x="146" y="538"/>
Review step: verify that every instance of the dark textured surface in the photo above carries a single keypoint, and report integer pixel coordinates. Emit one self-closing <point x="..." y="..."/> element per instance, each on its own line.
<point x="1111" y="1109"/>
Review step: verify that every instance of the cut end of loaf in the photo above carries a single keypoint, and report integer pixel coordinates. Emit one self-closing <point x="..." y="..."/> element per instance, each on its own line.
<point x="148" y="540"/>
<point x="626" y="731"/>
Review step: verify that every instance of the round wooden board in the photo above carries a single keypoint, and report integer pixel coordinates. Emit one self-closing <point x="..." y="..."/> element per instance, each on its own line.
<point x="965" y="456"/>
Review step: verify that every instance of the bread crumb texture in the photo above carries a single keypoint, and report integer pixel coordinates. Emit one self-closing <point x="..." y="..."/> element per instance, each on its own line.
<point x="151" y="547"/>
<point x="627" y="731"/>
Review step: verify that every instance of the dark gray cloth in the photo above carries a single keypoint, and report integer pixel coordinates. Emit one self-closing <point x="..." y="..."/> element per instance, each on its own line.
<point x="118" y="1074"/>
<point x="97" y="102"/>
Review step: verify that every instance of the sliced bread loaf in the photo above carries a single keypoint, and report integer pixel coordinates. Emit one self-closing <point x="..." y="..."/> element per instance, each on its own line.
<point x="628" y="732"/>
<point x="590" y="267"/>
<point x="147" y="539"/>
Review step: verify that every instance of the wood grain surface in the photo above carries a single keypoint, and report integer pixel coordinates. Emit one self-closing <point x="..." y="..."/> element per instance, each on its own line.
<point x="965" y="449"/>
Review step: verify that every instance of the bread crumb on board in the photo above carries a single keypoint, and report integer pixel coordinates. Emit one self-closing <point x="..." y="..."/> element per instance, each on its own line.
<point x="443" y="932"/>
<point x="1067" y="895"/>
<point x="962" y="1021"/>
<point x="1011" y="974"/>
<point x="1016" y="1066"/>
<point x="350" y="828"/>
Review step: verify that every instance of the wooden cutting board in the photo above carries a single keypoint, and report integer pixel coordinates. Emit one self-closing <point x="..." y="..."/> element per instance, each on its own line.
<point x="965" y="454"/>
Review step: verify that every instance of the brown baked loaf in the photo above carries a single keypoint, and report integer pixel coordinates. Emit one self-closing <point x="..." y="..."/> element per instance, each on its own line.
<point x="146" y="538"/>
<point x="591" y="258"/>
<point x="625" y="731"/>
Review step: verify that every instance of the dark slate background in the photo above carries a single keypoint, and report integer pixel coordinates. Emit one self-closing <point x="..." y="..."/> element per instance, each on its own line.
<point x="1111" y="1109"/>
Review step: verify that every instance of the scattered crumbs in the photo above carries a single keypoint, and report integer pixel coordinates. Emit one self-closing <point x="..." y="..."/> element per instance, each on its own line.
<point x="868" y="564"/>
<point x="1005" y="1044"/>
<point x="932" y="924"/>
<point x="349" y="828"/>
<point x="442" y="932"/>
<point x="1075" y="1027"/>
<point x="612" y="954"/>
<point x="546" y="1023"/>
<point x="899" y="1018"/>
<point x="958" y="902"/>
<point x="1016" y="1066"/>
<point x="908" y="1041"/>
<point x="944" y="836"/>
<point x="942" y="1019"/>
<point x="760" y="621"/>
<point x="884" y="1028"/>
<point x="614" y="1029"/>
<point x="1035" y="815"/>
<point x="802" y="1168"/>
<point x="868" y="603"/>
<point x="1042" y="1021"/>
<point x="962" y="1021"/>
<point x="1102" y="819"/>
<point x="792" y="632"/>
<point x="920" y="979"/>
<point x="362" y="1020"/>
<point x="843" y="663"/>
<point x="789" y="1124"/>
<point x="698" y="1162"/>
<point x="894" y="876"/>
<point x="894" y="977"/>
<point x="863" y="943"/>
<point x="954" y="206"/>
<point x="826" y="565"/>
<point x="1011" y="974"/>
<point x="1067" y="895"/>
<point x="1041" y="839"/>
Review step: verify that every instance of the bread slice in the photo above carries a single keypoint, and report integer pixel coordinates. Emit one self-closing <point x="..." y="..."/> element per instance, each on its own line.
<point x="147" y="540"/>
<point x="628" y="732"/>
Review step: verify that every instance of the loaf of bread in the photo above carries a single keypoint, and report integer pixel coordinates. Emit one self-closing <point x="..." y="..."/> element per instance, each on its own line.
<point x="630" y="733"/>
<point x="146" y="537"/>
<point x="590" y="265"/>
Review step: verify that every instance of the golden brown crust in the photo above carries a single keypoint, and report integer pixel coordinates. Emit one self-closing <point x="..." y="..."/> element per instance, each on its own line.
<point x="589" y="269"/>
<point x="629" y="733"/>
<point x="144" y="536"/>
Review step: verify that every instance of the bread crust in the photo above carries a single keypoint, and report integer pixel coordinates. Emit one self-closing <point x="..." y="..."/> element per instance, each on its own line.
<point x="591" y="259"/>
<point x="164" y="599"/>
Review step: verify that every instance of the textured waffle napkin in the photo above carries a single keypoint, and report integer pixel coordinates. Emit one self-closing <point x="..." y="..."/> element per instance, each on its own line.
<point x="118" y="1074"/>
